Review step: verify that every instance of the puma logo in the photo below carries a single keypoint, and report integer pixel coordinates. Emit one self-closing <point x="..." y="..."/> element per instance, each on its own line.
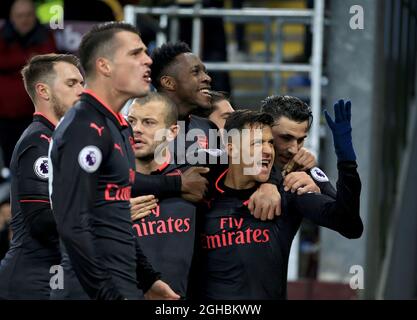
<point x="46" y="138"/>
<point x="116" y="146"/>
<point x="99" y="129"/>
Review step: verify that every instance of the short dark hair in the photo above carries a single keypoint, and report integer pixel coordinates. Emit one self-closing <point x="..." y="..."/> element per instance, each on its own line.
<point x="216" y="96"/>
<point x="100" y="41"/>
<point x="162" y="57"/>
<point x="287" y="106"/>
<point x="241" y="118"/>
<point x="41" y="69"/>
<point x="172" y="113"/>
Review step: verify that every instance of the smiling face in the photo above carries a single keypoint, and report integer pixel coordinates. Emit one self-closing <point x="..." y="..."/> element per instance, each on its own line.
<point x="289" y="137"/>
<point x="66" y="87"/>
<point x="253" y="156"/>
<point x="192" y="81"/>
<point x="130" y="65"/>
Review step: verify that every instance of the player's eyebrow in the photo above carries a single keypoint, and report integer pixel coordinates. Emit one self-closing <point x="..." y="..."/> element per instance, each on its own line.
<point x="136" y="50"/>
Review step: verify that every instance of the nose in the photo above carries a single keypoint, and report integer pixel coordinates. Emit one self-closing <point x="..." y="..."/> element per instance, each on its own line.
<point x="268" y="149"/>
<point x="80" y="89"/>
<point x="206" y="78"/>
<point x="293" y="148"/>
<point x="148" y="60"/>
<point x="137" y="128"/>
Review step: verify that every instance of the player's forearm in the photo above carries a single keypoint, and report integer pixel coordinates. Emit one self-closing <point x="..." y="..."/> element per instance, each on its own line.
<point x="158" y="185"/>
<point x="342" y="214"/>
<point x="145" y="273"/>
<point x="327" y="189"/>
<point x="348" y="199"/>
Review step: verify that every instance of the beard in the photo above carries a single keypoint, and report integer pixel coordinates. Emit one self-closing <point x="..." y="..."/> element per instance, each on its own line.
<point x="157" y="152"/>
<point x="148" y="157"/>
<point x="57" y="107"/>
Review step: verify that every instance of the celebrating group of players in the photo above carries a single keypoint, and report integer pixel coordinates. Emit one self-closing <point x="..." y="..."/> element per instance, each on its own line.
<point x="162" y="203"/>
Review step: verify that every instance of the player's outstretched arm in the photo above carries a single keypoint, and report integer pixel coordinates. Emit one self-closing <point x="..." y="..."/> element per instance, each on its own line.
<point x="342" y="214"/>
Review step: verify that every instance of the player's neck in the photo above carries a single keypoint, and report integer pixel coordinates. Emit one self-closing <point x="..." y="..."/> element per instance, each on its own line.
<point x="149" y="165"/>
<point x="278" y="164"/>
<point x="109" y="97"/>
<point x="184" y="111"/>
<point x="236" y="179"/>
<point x="47" y="112"/>
<point x="145" y="166"/>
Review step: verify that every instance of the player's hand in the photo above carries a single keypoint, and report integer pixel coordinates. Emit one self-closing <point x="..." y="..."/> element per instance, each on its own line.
<point x="161" y="291"/>
<point x="265" y="203"/>
<point x="342" y="131"/>
<point x="193" y="184"/>
<point x="141" y="207"/>
<point x="304" y="159"/>
<point x="300" y="182"/>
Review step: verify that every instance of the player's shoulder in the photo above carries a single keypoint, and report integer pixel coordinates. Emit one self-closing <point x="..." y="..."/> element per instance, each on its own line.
<point x="36" y="135"/>
<point x="83" y="113"/>
<point x="31" y="151"/>
<point x="81" y="121"/>
<point x="203" y="123"/>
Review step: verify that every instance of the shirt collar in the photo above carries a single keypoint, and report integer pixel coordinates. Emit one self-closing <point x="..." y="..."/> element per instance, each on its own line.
<point x="242" y="194"/>
<point x="163" y="166"/>
<point x="38" y="116"/>
<point x="105" y="109"/>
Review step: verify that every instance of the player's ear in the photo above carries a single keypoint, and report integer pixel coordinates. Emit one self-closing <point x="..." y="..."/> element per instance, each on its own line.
<point x="230" y="149"/>
<point x="42" y="91"/>
<point x="173" y="132"/>
<point x="103" y="66"/>
<point x="168" y="83"/>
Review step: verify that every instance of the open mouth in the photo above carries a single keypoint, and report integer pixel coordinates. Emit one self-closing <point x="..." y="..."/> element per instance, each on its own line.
<point x="147" y="76"/>
<point x="139" y="143"/>
<point x="265" y="164"/>
<point x="206" y="92"/>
